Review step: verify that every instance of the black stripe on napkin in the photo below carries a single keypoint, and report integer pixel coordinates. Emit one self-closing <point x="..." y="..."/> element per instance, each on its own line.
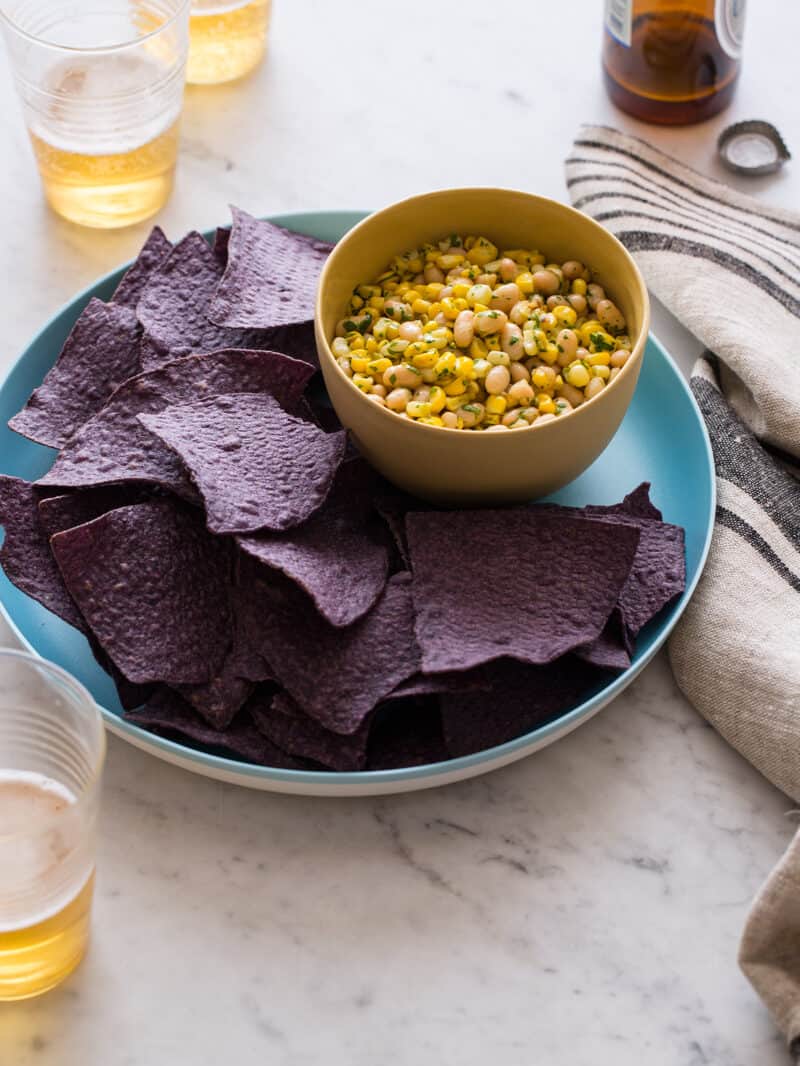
<point x="755" y="540"/>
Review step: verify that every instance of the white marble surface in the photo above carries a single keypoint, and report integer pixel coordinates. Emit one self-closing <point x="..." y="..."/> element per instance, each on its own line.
<point x="580" y="908"/>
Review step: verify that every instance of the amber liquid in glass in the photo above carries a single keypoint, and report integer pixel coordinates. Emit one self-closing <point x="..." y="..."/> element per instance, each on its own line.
<point x="44" y="922"/>
<point x="674" y="72"/>
<point x="108" y="189"/>
<point x="226" y="40"/>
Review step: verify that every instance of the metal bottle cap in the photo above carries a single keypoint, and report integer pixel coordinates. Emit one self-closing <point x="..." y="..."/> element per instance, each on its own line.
<point x="752" y="147"/>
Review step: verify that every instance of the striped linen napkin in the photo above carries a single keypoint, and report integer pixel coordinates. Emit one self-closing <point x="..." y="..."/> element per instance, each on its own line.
<point x="729" y="268"/>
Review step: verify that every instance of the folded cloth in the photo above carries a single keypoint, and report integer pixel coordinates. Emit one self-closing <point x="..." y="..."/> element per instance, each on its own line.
<point x="729" y="268"/>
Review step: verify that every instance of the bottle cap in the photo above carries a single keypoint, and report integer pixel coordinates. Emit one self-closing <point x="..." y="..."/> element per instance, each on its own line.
<point x="752" y="147"/>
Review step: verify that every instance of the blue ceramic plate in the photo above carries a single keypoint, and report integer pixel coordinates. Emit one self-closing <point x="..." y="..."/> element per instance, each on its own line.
<point x="662" y="440"/>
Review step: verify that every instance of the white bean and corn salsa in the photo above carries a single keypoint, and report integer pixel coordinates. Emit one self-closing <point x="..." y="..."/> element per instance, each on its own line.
<point x="462" y="335"/>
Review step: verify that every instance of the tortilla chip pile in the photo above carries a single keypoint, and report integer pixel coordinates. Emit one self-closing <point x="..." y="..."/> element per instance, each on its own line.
<point x="251" y="584"/>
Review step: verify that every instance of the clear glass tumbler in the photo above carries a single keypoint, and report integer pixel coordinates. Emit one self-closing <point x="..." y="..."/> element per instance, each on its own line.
<point x="227" y="39"/>
<point x="101" y="86"/>
<point x="52" y="746"/>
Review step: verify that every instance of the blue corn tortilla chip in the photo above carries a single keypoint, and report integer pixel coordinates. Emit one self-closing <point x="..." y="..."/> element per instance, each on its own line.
<point x="167" y="715"/>
<point x="255" y="465"/>
<point x="523" y="697"/>
<point x="100" y="353"/>
<point x="526" y="600"/>
<point x="406" y="733"/>
<point x="637" y="504"/>
<point x="114" y="446"/>
<point x="57" y="513"/>
<point x="25" y="554"/>
<point x="222" y="237"/>
<point x="436" y="684"/>
<point x="153" y="586"/>
<point x="174" y="303"/>
<point x="337" y="556"/>
<point x="298" y="341"/>
<point x="271" y="275"/>
<point x="336" y="675"/>
<point x="289" y="728"/>
<point x="154" y="251"/>
<point x="611" y="650"/>
<point x="219" y="699"/>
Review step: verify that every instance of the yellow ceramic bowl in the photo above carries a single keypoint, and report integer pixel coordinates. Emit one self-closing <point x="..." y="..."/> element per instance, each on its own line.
<point x="456" y="466"/>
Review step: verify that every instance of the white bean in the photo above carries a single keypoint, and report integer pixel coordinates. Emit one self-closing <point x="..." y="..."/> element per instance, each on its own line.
<point x="410" y="331"/>
<point x="433" y="274"/>
<point x="571" y="394"/>
<point x="494" y="429"/>
<point x="620" y="357"/>
<point x="610" y="315"/>
<point x="521" y="392"/>
<point x="379" y="400"/>
<point x="577" y="302"/>
<point x="519" y="372"/>
<point x="595" y="385"/>
<point x="545" y="281"/>
<point x="464" y="329"/>
<point x="402" y="376"/>
<point x="397" y="310"/>
<point x="572" y="269"/>
<point x="398" y="399"/>
<point x="505" y="296"/>
<point x="489" y="322"/>
<point x="507" y="269"/>
<point x="594" y="294"/>
<point x="511" y="341"/>
<point x="567" y="342"/>
<point x="378" y="390"/>
<point x="450" y="419"/>
<point x="470" y="417"/>
<point x="545" y="418"/>
<point x="497" y="380"/>
<point x="509" y="418"/>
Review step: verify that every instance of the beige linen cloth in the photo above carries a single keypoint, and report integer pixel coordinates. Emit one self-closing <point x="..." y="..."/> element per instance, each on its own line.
<point x="728" y="267"/>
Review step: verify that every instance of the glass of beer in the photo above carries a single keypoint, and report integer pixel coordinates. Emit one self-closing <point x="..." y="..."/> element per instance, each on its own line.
<point x="101" y="86"/>
<point x="227" y="39"/>
<point x="52" y="747"/>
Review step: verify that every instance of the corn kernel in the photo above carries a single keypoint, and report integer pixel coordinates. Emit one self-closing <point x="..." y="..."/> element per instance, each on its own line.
<point x="543" y="377"/>
<point x="356" y="303"/>
<point x="496" y="405"/>
<point x="446" y="365"/>
<point x="603" y="372"/>
<point x="422" y="307"/>
<point x="364" y="383"/>
<point x="434" y="310"/>
<point x="587" y="329"/>
<point x="377" y="366"/>
<point x="599" y="358"/>
<point x="465" y="367"/>
<point x="449" y="261"/>
<point x="478" y="349"/>
<point x="460" y="289"/>
<point x="431" y="421"/>
<point x="359" y="363"/>
<point x="371" y="345"/>
<point x="476" y="307"/>
<point x="425" y="360"/>
<point x="449" y="308"/>
<point x="415" y="265"/>
<point x="460" y="303"/>
<point x="432" y="289"/>
<point x="525" y="282"/>
<point x="437" y="399"/>
<point x="565" y="316"/>
<point x="339" y="347"/>
<point x="456" y="388"/>
<point x="454" y="402"/>
<point x="545" y="405"/>
<point x="550" y="354"/>
<point x="577" y="375"/>
<point x="490" y="420"/>
<point x="481" y="368"/>
<point x="418" y="409"/>
<point x="482" y="252"/>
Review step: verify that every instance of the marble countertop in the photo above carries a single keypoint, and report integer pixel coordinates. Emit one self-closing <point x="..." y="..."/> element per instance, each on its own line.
<point x="582" y="907"/>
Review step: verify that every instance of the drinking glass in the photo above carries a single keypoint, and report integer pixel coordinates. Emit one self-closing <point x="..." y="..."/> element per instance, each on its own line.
<point x="227" y="39"/>
<point x="101" y="86"/>
<point x="52" y="746"/>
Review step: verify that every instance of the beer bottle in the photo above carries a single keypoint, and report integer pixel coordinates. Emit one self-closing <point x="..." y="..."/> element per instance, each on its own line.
<point x="672" y="61"/>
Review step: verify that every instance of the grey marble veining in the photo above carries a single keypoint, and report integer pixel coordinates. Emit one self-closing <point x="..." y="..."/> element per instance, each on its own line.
<point x="580" y="908"/>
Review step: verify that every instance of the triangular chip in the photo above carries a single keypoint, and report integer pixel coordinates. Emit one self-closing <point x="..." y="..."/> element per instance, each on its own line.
<point x="152" y="584"/>
<point x="255" y="465"/>
<point x="100" y="353"/>
<point x="115" y="447"/>
<point x="271" y="275"/>
<point x="153" y="253"/>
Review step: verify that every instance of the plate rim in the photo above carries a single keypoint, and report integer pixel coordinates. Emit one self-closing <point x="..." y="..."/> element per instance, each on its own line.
<point x="371" y="781"/>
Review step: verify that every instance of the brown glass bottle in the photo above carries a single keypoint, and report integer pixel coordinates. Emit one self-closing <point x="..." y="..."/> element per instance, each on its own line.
<point x="672" y="61"/>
